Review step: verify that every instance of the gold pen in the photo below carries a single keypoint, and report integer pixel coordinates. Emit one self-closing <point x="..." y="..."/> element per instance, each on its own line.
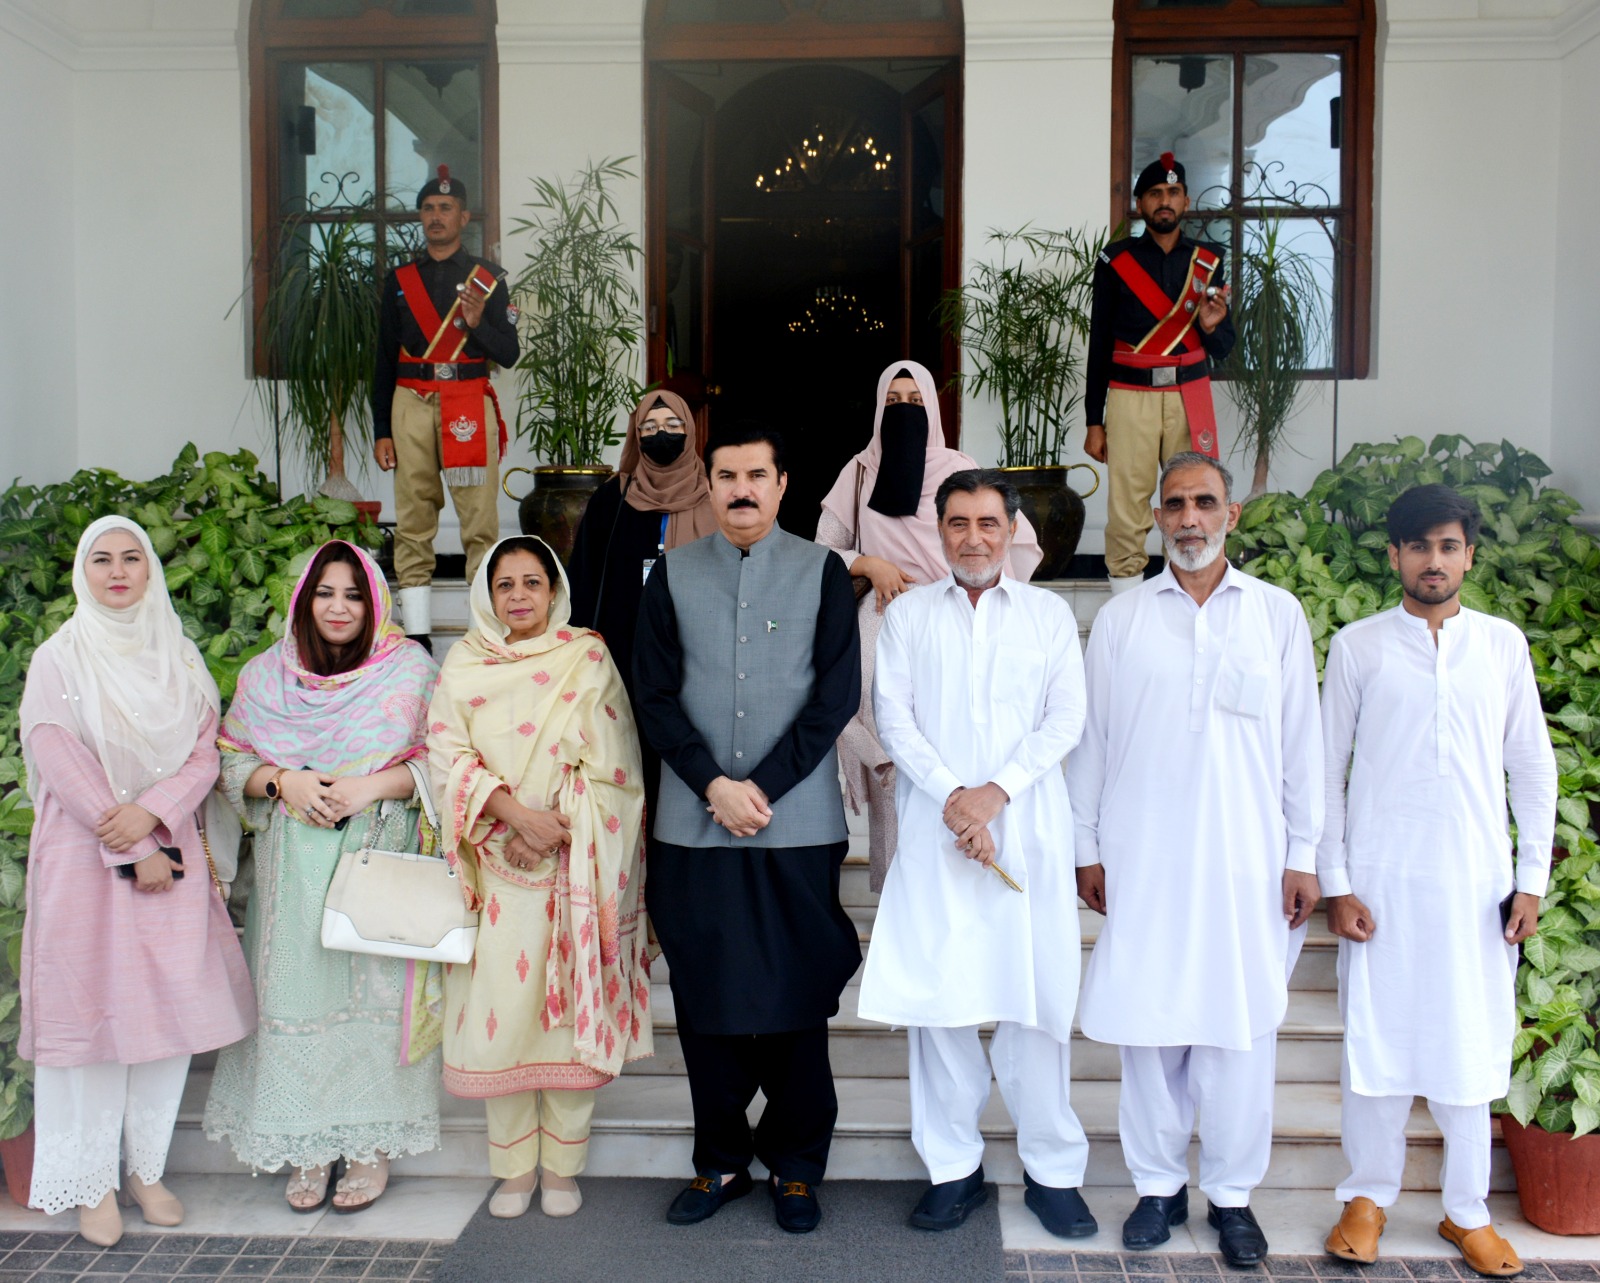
<point x="1005" y="877"/>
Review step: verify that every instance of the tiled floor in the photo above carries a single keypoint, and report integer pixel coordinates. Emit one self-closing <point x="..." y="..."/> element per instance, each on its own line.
<point x="239" y="1227"/>
<point x="53" y="1257"/>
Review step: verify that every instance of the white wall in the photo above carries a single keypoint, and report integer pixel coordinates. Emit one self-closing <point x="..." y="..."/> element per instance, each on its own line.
<point x="1575" y="378"/>
<point x="38" y="336"/>
<point x="1485" y="305"/>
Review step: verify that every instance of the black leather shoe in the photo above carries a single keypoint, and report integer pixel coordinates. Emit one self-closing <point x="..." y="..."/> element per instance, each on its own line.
<point x="1238" y="1236"/>
<point x="795" y="1205"/>
<point x="1150" y="1222"/>
<point x="1061" y="1211"/>
<point x="706" y="1194"/>
<point x="945" y="1204"/>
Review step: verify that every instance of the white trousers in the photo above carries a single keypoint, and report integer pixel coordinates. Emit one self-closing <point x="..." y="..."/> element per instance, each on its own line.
<point x="89" y="1119"/>
<point x="1374" y="1130"/>
<point x="1164" y="1087"/>
<point x="950" y="1087"/>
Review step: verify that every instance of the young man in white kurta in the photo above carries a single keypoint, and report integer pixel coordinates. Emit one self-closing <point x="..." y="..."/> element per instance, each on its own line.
<point x="969" y="692"/>
<point x="1197" y="786"/>
<point x="1430" y="716"/>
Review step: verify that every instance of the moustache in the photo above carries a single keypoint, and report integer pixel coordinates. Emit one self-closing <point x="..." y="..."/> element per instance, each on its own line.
<point x="743" y="503"/>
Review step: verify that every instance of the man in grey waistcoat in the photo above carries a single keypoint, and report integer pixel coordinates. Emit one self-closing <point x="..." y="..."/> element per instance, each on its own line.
<point x="746" y="668"/>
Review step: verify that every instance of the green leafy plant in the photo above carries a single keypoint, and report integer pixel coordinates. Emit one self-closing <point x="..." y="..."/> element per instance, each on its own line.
<point x="580" y="317"/>
<point x="1280" y="315"/>
<point x="1533" y="567"/>
<point x="226" y="541"/>
<point x="1023" y="322"/>
<point x="319" y="333"/>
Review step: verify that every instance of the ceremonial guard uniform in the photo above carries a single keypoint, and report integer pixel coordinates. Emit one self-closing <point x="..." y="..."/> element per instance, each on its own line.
<point x="1148" y="371"/>
<point x="431" y="396"/>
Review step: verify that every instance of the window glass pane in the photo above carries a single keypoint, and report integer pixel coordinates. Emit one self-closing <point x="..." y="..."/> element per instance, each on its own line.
<point x="691" y="11"/>
<point x="685" y="312"/>
<point x="324" y="8"/>
<point x="1301" y="255"/>
<point x="326" y="148"/>
<point x="927" y="167"/>
<point x="432" y="8"/>
<point x="881" y="10"/>
<point x="1183" y="103"/>
<point x="927" y="285"/>
<point x="432" y="116"/>
<point x="1292" y="108"/>
<point x="686" y="169"/>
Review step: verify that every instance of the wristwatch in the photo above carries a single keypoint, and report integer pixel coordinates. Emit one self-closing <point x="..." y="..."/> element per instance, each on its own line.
<point x="272" y="788"/>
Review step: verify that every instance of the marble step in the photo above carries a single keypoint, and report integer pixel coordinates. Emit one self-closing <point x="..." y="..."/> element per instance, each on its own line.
<point x="643" y="1127"/>
<point x="1309" y="1042"/>
<point x="1316" y="969"/>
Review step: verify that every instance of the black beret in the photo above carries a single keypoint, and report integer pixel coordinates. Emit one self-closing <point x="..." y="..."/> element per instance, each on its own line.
<point x="443" y="185"/>
<point x="1166" y="169"/>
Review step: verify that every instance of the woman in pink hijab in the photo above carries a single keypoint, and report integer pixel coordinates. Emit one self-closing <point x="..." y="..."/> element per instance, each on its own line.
<point x="880" y="518"/>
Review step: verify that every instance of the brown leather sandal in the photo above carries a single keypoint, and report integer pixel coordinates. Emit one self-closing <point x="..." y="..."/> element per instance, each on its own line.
<point x="1355" y="1237"/>
<point x="1483" y="1249"/>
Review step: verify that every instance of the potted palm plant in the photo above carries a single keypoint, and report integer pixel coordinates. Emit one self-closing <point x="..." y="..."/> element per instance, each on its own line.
<point x="1023" y="321"/>
<point x="319" y="335"/>
<point x="1280" y="314"/>
<point x="579" y="302"/>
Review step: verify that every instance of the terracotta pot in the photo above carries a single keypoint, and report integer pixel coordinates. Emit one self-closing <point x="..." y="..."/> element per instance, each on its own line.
<point x="1056" y="511"/>
<point x="16" y="1156"/>
<point x="1558" y="1176"/>
<point x="367" y="511"/>
<point x="553" y="508"/>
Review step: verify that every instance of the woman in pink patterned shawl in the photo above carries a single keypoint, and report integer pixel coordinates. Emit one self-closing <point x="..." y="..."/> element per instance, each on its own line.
<point x="535" y="762"/>
<point x="313" y="756"/>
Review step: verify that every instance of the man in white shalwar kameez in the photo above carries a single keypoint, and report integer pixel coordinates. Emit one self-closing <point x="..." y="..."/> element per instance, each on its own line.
<point x="1197" y="788"/>
<point x="1431" y="707"/>
<point x="978" y="697"/>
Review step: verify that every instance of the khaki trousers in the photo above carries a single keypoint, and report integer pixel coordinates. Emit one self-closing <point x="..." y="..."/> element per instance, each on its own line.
<point x="1143" y="431"/>
<point x="548" y="1129"/>
<point x="419" y="490"/>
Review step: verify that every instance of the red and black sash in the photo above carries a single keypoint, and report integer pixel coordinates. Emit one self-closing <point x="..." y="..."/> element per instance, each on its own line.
<point x="1173" y="341"/>
<point x="462" y="443"/>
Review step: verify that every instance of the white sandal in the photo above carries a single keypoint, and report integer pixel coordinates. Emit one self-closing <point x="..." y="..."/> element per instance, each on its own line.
<point x="366" y="1181"/>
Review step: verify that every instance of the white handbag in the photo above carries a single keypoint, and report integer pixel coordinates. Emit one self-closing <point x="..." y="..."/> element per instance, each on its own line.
<point x="399" y="904"/>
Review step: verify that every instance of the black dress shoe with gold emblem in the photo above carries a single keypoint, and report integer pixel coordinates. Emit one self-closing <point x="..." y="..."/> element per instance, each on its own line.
<point x="795" y="1205"/>
<point x="945" y="1204"/>
<point x="706" y="1194"/>
<point x="1149" y="1224"/>
<point x="1238" y="1236"/>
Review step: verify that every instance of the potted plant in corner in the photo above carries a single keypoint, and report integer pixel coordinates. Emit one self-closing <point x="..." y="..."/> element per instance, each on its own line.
<point x="1552" y="1108"/>
<point x="319" y="337"/>
<point x="580" y="339"/>
<point x="1025" y="327"/>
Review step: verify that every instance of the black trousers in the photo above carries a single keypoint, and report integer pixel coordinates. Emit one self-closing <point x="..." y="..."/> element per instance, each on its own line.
<point x="792" y="1070"/>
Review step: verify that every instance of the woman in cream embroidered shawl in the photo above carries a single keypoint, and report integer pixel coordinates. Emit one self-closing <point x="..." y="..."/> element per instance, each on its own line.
<point x="123" y="977"/>
<point x="535" y="764"/>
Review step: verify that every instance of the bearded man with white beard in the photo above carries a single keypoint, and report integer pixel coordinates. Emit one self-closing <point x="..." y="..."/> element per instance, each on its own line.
<point x="1198" y="799"/>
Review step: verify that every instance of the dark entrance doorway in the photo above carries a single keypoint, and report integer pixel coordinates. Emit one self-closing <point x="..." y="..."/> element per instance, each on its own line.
<point x="802" y="227"/>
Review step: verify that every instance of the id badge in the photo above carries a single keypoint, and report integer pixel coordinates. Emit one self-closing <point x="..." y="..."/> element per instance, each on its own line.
<point x="648" y="563"/>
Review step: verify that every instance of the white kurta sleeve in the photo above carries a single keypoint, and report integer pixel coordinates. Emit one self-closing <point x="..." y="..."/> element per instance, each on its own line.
<point x="1086" y="766"/>
<point x="1530" y="765"/>
<point x="894" y="706"/>
<point x="1341" y="705"/>
<point x="1046" y="747"/>
<point x="1303" y="784"/>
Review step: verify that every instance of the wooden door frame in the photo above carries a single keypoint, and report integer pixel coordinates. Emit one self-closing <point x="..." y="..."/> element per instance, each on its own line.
<point x="802" y="38"/>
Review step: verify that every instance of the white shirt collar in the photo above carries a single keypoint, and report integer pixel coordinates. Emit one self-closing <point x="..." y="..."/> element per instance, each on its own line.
<point x="1232" y="577"/>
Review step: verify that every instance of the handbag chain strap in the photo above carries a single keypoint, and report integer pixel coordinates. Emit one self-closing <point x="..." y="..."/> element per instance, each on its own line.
<point x="205" y="844"/>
